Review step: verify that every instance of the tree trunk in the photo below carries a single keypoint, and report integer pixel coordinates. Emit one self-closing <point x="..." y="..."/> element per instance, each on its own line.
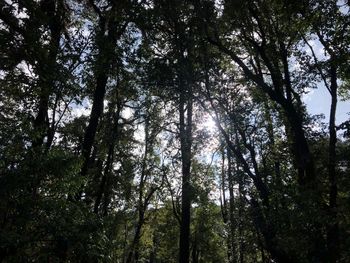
<point x="103" y="182"/>
<point x="269" y="234"/>
<point x="195" y="251"/>
<point x="106" y="45"/>
<point x="332" y="228"/>
<point x="232" y="223"/>
<point x="302" y="154"/>
<point x="240" y="216"/>
<point x="96" y="112"/>
<point x="47" y="70"/>
<point x="112" y="137"/>
<point x="227" y="212"/>
<point x="186" y="155"/>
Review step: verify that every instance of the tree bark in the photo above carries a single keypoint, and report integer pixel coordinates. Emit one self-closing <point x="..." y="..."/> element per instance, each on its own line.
<point x="112" y="140"/>
<point x="269" y="234"/>
<point x="186" y="155"/>
<point x="106" y="41"/>
<point x="232" y="223"/>
<point x="333" y="228"/>
<point x="47" y="68"/>
<point x="96" y="112"/>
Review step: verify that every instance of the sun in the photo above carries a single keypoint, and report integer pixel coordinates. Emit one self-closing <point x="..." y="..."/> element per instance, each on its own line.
<point x="209" y="124"/>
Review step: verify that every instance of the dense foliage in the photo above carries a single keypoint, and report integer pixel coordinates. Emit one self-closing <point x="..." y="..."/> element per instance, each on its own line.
<point x="173" y="131"/>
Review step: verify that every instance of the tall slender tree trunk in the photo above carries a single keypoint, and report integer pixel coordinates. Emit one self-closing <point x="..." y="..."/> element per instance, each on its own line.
<point x="134" y="248"/>
<point x="195" y="252"/>
<point x="112" y="138"/>
<point x="333" y="228"/>
<point x="106" y="41"/>
<point x="47" y="70"/>
<point x="142" y="201"/>
<point x="270" y="131"/>
<point x="96" y="112"/>
<point x="240" y="216"/>
<point x="232" y="223"/>
<point x="145" y="194"/>
<point x="185" y="112"/>
<point x="103" y="183"/>
<point x="227" y="212"/>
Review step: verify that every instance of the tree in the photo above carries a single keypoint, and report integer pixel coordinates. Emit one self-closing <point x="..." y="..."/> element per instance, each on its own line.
<point x="150" y="131"/>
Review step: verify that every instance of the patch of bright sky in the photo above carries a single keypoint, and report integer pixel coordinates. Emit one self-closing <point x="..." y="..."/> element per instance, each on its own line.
<point x="209" y="124"/>
<point x="318" y="101"/>
<point x="343" y="7"/>
<point x="81" y="110"/>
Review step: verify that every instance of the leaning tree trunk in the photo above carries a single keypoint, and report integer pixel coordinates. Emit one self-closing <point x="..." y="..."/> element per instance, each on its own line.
<point x="106" y="40"/>
<point x="96" y="112"/>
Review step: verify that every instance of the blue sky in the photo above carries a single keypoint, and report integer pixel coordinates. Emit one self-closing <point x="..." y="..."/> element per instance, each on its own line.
<point x="318" y="101"/>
